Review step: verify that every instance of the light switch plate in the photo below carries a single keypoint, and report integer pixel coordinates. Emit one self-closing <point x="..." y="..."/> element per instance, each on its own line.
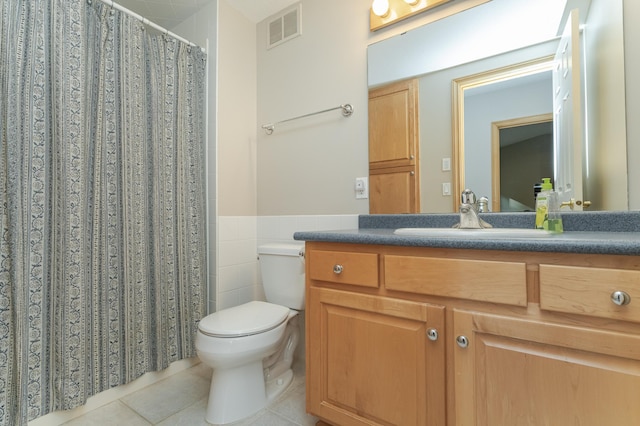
<point x="362" y="187"/>
<point x="446" y="164"/>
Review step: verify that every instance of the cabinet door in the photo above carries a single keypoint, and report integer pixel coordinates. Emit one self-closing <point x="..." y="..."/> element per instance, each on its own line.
<point x="393" y="125"/>
<point x="394" y="191"/>
<point x="370" y="360"/>
<point x="523" y="372"/>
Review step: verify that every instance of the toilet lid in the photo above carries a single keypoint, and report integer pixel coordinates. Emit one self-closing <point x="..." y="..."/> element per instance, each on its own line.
<point x="244" y="320"/>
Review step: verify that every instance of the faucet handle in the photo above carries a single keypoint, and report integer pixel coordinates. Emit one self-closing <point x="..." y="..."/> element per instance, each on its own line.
<point x="468" y="197"/>
<point x="483" y="205"/>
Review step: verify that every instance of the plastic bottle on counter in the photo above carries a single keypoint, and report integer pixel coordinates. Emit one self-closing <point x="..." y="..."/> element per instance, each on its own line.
<point x="542" y="203"/>
<point x="554" y="220"/>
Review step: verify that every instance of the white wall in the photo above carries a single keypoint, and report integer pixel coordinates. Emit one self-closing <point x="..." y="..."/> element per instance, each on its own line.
<point x="631" y="10"/>
<point x="310" y="165"/>
<point x="606" y="180"/>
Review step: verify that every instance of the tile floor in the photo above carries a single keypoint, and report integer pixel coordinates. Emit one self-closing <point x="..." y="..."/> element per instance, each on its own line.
<point x="181" y="399"/>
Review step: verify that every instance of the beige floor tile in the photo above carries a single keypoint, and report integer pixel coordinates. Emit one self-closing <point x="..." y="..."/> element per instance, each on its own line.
<point x="271" y="419"/>
<point x="293" y="407"/>
<point x="193" y="415"/>
<point x="181" y="400"/>
<point x="115" y="413"/>
<point x="202" y="370"/>
<point x="169" y="396"/>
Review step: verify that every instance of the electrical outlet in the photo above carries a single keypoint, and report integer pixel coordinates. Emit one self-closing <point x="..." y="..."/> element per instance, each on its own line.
<point x="362" y="187"/>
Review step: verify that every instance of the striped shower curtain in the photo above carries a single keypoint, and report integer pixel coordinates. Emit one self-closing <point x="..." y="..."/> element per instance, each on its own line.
<point x="102" y="203"/>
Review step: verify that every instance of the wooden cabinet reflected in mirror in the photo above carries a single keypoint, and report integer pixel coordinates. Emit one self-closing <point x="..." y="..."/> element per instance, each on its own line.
<point x="393" y="149"/>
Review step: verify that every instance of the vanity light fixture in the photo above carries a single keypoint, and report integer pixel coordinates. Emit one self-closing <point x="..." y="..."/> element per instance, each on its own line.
<point x="387" y="12"/>
<point x="380" y="8"/>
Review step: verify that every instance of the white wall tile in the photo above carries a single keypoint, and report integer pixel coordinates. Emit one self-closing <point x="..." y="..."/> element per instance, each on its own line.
<point x="349" y="221"/>
<point x="329" y="223"/>
<point x="307" y="223"/>
<point x="268" y="228"/>
<point x="247" y="228"/>
<point x="227" y="299"/>
<point x="287" y="225"/>
<point x="228" y="229"/>
<point x="235" y="277"/>
<point x="238" y="279"/>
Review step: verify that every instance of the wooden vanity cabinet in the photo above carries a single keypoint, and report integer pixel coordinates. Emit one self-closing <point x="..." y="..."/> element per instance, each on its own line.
<point x="522" y="338"/>
<point x="513" y="371"/>
<point x="371" y="359"/>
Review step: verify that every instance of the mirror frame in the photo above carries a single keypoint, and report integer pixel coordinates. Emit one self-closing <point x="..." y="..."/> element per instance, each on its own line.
<point x="459" y="85"/>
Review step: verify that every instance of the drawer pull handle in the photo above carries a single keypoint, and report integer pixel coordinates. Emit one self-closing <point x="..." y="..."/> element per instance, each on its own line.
<point x="620" y="298"/>
<point x="432" y="334"/>
<point x="337" y="269"/>
<point x="462" y="341"/>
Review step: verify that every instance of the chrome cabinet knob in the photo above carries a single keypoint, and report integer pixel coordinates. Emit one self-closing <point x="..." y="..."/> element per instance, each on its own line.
<point x="462" y="341"/>
<point x="432" y="334"/>
<point x="337" y="269"/>
<point x="620" y="298"/>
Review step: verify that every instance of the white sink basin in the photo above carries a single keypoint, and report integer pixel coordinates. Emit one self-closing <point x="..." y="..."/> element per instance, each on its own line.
<point x="474" y="233"/>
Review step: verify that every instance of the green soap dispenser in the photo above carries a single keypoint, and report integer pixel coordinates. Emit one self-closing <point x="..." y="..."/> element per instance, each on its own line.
<point x="542" y="203"/>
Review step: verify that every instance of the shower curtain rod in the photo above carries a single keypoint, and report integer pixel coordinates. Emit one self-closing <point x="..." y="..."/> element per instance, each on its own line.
<point x="147" y="22"/>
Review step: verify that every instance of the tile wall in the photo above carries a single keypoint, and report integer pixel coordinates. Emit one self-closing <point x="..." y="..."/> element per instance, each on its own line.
<point x="238" y="279"/>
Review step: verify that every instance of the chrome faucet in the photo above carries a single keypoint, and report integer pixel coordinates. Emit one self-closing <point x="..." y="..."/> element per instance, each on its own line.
<point x="469" y="207"/>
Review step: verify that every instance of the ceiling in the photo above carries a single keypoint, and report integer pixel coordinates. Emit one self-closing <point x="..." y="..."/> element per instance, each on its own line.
<point x="169" y="13"/>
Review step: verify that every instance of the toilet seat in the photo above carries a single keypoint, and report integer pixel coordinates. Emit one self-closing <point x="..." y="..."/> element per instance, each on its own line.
<point x="244" y="320"/>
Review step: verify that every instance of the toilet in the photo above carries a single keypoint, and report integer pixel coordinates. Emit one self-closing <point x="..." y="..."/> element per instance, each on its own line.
<point x="250" y="347"/>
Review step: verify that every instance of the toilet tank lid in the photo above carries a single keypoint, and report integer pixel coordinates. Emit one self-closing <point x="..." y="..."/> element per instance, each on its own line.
<point x="293" y="248"/>
<point x="244" y="320"/>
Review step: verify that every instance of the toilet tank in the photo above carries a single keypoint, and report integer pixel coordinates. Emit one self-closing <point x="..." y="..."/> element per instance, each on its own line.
<point x="282" y="270"/>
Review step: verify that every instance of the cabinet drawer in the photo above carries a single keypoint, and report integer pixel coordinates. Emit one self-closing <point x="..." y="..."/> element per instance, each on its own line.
<point x="589" y="291"/>
<point x="344" y="267"/>
<point x="488" y="281"/>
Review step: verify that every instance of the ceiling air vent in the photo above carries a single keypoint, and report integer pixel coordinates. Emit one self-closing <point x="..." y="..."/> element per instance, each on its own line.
<point x="284" y="26"/>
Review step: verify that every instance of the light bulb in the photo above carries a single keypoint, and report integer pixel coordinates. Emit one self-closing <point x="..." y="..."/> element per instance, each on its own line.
<point x="411" y="2"/>
<point x="380" y="8"/>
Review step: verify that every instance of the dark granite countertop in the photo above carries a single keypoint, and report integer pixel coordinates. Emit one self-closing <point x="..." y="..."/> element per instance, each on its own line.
<point x="585" y="232"/>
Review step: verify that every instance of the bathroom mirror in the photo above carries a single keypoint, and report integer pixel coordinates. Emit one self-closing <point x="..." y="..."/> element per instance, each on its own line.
<point x="496" y="35"/>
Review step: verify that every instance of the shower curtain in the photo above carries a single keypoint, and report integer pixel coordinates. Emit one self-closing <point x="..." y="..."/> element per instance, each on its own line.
<point x="102" y="203"/>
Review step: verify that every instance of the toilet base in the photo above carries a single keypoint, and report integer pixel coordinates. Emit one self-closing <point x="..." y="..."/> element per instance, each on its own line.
<point x="238" y="393"/>
<point x="277" y="385"/>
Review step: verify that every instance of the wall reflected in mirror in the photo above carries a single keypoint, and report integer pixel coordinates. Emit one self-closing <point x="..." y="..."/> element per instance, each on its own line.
<point x="604" y="162"/>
